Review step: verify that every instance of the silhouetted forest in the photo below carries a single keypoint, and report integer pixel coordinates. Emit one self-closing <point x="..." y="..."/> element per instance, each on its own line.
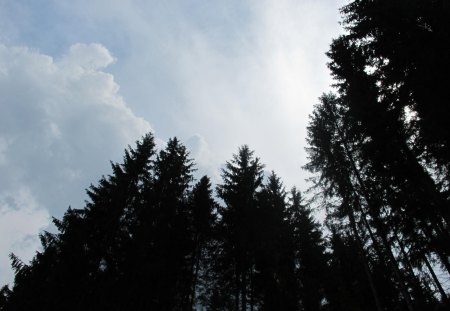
<point x="151" y="237"/>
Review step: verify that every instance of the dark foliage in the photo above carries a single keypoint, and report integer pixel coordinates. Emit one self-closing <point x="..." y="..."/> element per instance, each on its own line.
<point x="149" y="238"/>
<point x="379" y="146"/>
<point x="152" y="238"/>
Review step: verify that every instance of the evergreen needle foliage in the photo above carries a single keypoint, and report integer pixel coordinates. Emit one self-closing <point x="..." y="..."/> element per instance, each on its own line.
<point x="152" y="238"/>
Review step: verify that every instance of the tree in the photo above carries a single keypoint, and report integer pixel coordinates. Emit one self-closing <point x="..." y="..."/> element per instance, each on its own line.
<point x="359" y="145"/>
<point x="309" y="253"/>
<point x="380" y="146"/>
<point x="79" y="267"/>
<point x="163" y="241"/>
<point x="338" y="154"/>
<point x="347" y="287"/>
<point x="405" y="44"/>
<point x="383" y="78"/>
<point x="203" y="209"/>
<point x="276" y="286"/>
<point x="242" y="178"/>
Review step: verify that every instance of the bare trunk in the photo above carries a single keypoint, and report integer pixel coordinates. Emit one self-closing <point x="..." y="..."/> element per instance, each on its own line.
<point x="244" y="292"/>
<point x="442" y="257"/>
<point x="435" y="279"/>
<point x="380" y="227"/>
<point x="195" y="268"/>
<point x="416" y="281"/>
<point x="364" y="259"/>
<point x="238" y="287"/>
<point x="252" y="303"/>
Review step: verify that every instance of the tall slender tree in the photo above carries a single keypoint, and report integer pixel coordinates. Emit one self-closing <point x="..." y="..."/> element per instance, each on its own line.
<point x="79" y="267"/>
<point x="166" y="230"/>
<point x="203" y="212"/>
<point x="309" y="253"/>
<point x="242" y="179"/>
<point x="275" y="284"/>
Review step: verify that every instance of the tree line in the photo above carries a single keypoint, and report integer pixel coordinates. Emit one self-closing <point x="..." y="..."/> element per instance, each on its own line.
<point x="152" y="237"/>
<point x="379" y="147"/>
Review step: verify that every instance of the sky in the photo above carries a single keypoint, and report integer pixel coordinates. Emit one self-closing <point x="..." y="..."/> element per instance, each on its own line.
<point x="81" y="80"/>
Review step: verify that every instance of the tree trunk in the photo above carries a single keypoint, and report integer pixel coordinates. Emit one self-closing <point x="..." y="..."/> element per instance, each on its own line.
<point x="364" y="259"/>
<point x="416" y="281"/>
<point x="244" y="292"/>
<point x="380" y="227"/>
<point x="238" y="287"/>
<point x="443" y="258"/>
<point x="435" y="279"/>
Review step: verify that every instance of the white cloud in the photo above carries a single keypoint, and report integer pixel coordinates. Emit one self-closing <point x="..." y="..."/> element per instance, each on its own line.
<point x="234" y="72"/>
<point x="260" y="88"/>
<point x="62" y="120"/>
<point x="218" y="74"/>
<point x="88" y="56"/>
<point x="206" y="162"/>
<point x="21" y="219"/>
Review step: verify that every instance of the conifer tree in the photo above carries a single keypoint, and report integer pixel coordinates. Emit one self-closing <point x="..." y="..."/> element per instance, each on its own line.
<point x="275" y="284"/>
<point x="383" y="78"/>
<point x="166" y="239"/>
<point x="346" y="150"/>
<point x="310" y="258"/>
<point x="405" y="44"/>
<point x="138" y="244"/>
<point x="79" y="267"/>
<point x="203" y="212"/>
<point x="242" y="178"/>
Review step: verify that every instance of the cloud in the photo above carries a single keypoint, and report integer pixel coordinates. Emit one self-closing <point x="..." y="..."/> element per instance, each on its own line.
<point x="234" y="72"/>
<point x="257" y="83"/>
<point x="88" y="56"/>
<point x="206" y="162"/>
<point x="62" y="120"/>
<point x="21" y="218"/>
<point x="217" y="74"/>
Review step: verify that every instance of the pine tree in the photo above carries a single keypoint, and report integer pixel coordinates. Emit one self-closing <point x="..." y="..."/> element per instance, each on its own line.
<point x="274" y="277"/>
<point x="203" y="212"/>
<point x="394" y="93"/>
<point x="406" y="48"/>
<point x="165" y="238"/>
<point x="347" y="287"/>
<point x="310" y="258"/>
<point x="242" y="179"/>
<point x="4" y="296"/>
<point x="79" y="267"/>
<point x="337" y="150"/>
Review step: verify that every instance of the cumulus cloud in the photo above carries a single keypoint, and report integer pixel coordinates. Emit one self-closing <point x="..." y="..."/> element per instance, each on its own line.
<point x="217" y="74"/>
<point x="62" y="120"/>
<point x="235" y="72"/>
<point x="88" y="56"/>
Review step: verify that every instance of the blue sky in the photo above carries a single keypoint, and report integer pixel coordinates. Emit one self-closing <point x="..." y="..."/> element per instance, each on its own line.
<point x="82" y="79"/>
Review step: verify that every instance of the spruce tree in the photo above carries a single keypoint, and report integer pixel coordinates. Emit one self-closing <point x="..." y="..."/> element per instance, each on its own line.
<point x="310" y="258"/>
<point x="80" y="266"/>
<point x="276" y="286"/>
<point x="241" y="180"/>
<point x="166" y="238"/>
<point x="203" y="213"/>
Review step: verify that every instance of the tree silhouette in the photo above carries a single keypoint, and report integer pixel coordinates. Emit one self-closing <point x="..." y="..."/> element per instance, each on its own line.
<point x="275" y="284"/>
<point x="242" y="179"/>
<point x="309" y="253"/>
<point x="81" y="265"/>
<point x="371" y="146"/>
<point x="151" y="238"/>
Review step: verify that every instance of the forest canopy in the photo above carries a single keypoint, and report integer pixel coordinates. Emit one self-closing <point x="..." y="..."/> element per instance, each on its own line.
<point x="152" y="237"/>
